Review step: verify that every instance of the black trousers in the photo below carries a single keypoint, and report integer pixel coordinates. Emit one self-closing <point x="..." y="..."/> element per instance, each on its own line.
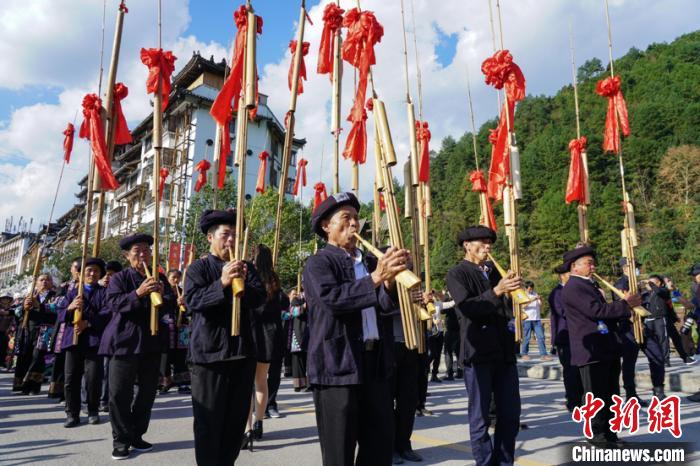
<point x="356" y="415"/>
<point x="173" y="363"/>
<point x="630" y="352"/>
<point x="104" y="393"/>
<point x="274" y="378"/>
<point x="573" y="387"/>
<point x="434" y="351"/>
<point x="673" y="334"/>
<point x="452" y="352"/>
<point x="656" y="348"/>
<point x="221" y="397"/>
<point x="603" y="380"/>
<point x="422" y="380"/>
<point x="405" y="390"/>
<point x="4" y="340"/>
<point x="58" y="376"/>
<point x="129" y="414"/>
<point x="81" y="361"/>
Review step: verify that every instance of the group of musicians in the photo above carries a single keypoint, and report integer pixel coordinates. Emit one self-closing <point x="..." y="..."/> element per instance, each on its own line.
<point x="358" y="368"/>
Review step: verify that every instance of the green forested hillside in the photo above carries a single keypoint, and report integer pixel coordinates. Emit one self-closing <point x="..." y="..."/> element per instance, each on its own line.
<point x="662" y="89"/>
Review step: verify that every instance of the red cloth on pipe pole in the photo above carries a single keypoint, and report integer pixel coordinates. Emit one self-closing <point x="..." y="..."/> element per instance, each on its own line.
<point x="202" y="166"/>
<point x="164" y="172"/>
<point x="121" y="129"/>
<point x="332" y="21"/>
<point x="92" y="129"/>
<point x="161" y="65"/>
<point x="320" y="194"/>
<point x="479" y="186"/>
<point x="69" y="133"/>
<point x="301" y="176"/>
<point x="262" y="170"/>
<point x="617" y="108"/>
<point x="576" y="183"/>
<point x="302" y="68"/>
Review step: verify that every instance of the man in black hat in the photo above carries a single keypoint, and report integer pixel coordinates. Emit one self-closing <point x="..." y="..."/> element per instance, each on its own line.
<point x="349" y="352"/>
<point x="134" y="351"/>
<point x="560" y="340"/>
<point x="111" y="267"/>
<point x="81" y="358"/>
<point x="591" y="323"/>
<point x="223" y="366"/>
<point x="487" y="346"/>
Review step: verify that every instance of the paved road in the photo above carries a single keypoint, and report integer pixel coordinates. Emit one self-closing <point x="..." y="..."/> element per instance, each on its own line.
<point x="31" y="430"/>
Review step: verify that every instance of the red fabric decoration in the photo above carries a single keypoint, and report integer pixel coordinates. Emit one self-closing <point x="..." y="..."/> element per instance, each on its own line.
<point x="501" y="72"/>
<point x="382" y="203"/>
<point x="301" y="176"/>
<point x="68" y="142"/>
<point x="231" y="90"/>
<point x="224" y="149"/>
<point x="423" y="135"/>
<point x="202" y="166"/>
<point x="164" y="172"/>
<point x="302" y="68"/>
<point x="364" y="31"/>
<point x="576" y="184"/>
<point x="320" y="194"/>
<point x="479" y="186"/>
<point x="617" y="108"/>
<point x="92" y="129"/>
<point x="122" y="7"/>
<point x="262" y="170"/>
<point x="121" y="129"/>
<point x="332" y="21"/>
<point x="160" y="66"/>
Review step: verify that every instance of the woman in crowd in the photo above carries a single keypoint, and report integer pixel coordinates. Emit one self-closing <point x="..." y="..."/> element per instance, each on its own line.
<point x="298" y="338"/>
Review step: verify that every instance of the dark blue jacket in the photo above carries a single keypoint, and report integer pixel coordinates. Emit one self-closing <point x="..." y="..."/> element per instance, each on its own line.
<point x="483" y="316"/>
<point x="585" y="305"/>
<point x="129" y="331"/>
<point x="335" y="301"/>
<point x="557" y="317"/>
<point x="95" y="312"/>
<point x="211" y="307"/>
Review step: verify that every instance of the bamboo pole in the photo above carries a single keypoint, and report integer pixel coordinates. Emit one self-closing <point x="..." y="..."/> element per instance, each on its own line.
<point x="335" y="106"/>
<point x="289" y="135"/>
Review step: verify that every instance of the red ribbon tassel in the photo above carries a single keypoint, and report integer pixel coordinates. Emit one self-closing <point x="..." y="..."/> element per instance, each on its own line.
<point x="423" y="135"/>
<point x="301" y="176"/>
<point x="224" y="149"/>
<point x="262" y="171"/>
<point x="121" y="129"/>
<point x="576" y="184"/>
<point x="320" y="194"/>
<point x="502" y="72"/>
<point x="160" y="66"/>
<point x="69" y="133"/>
<point x="302" y="68"/>
<point x="332" y="21"/>
<point x="617" y="108"/>
<point x="92" y="129"/>
<point x="231" y="90"/>
<point x="202" y="166"/>
<point x="364" y="31"/>
<point x="479" y="186"/>
<point x="164" y="172"/>
<point x="382" y="203"/>
<point x="122" y="7"/>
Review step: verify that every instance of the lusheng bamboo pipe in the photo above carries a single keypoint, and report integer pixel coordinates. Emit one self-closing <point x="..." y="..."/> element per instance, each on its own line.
<point x="519" y="296"/>
<point x="639" y="310"/>
<point x="156" y="302"/>
<point x="385" y="133"/>
<point x="405" y="277"/>
<point x="238" y="284"/>
<point x="289" y="135"/>
<point x="110" y="122"/>
<point x="250" y="65"/>
<point x="335" y="106"/>
<point x="376" y="216"/>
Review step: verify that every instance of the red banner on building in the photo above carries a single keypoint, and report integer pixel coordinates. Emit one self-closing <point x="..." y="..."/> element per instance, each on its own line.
<point x="174" y="255"/>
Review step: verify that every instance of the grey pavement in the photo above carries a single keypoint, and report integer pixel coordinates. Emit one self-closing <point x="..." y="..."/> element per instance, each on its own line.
<point x="31" y="430"/>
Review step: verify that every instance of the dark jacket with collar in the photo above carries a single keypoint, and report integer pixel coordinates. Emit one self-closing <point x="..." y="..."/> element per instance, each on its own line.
<point x="335" y="301"/>
<point x="585" y="305"/>
<point x="128" y="331"/>
<point x="95" y="311"/>
<point x="211" y="307"/>
<point x="483" y="316"/>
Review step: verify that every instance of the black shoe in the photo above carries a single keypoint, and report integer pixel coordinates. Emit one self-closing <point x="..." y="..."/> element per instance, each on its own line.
<point x="435" y="378"/>
<point x="419" y="412"/>
<point x="258" y="430"/>
<point x="449" y="377"/>
<point x="104" y="408"/>
<point x="273" y="412"/>
<point x="120" y="453"/>
<point x="410" y="455"/>
<point x="459" y="374"/>
<point x="695" y="397"/>
<point x="267" y="415"/>
<point x="642" y="403"/>
<point x="396" y="458"/>
<point x="659" y="392"/>
<point x="71" y="421"/>
<point x="184" y="389"/>
<point x="141" y="446"/>
<point x="689" y="360"/>
<point x="93" y="418"/>
<point x="247" y="442"/>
